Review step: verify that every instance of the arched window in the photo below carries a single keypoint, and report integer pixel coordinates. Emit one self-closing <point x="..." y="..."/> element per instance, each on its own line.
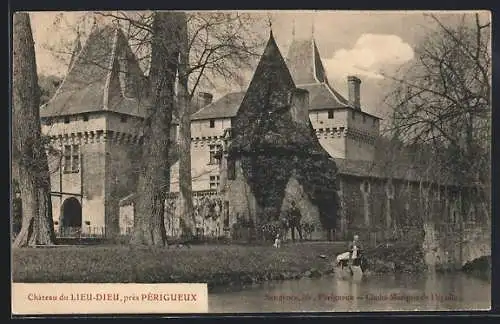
<point x="365" y="186"/>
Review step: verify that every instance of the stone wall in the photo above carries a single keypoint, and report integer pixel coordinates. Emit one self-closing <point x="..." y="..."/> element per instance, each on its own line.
<point x="121" y="180"/>
<point x="450" y="246"/>
<point x="237" y="192"/>
<point x="309" y="212"/>
<point x="451" y="224"/>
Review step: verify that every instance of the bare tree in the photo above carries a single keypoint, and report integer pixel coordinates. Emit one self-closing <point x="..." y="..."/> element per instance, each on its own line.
<point x="29" y="157"/>
<point x="149" y="228"/>
<point x="444" y="98"/>
<point x="214" y="48"/>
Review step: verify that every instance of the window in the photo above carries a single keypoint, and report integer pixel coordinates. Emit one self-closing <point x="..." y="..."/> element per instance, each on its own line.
<point x="214" y="182"/>
<point x="85" y="117"/>
<point x="71" y="158"/>
<point x="365" y="187"/>
<point x="48" y="121"/>
<point x="214" y="149"/>
<point x="330" y="114"/>
<point x="123" y="119"/>
<point x="66" y="120"/>
<point x="212" y="123"/>
<point x="390" y="191"/>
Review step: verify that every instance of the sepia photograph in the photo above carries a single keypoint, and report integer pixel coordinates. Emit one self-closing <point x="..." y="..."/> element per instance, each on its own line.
<point x="251" y="161"/>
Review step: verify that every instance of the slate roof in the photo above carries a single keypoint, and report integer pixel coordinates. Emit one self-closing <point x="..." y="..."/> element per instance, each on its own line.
<point x="225" y="107"/>
<point x="104" y="75"/>
<point x="307" y="71"/>
<point x="321" y="96"/>
<point x="304" y="62"/>
<point x="397" y="161"/>
<point x="266" y="96"/>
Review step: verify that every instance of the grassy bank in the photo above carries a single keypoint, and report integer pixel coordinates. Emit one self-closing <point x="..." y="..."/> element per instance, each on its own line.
<point x="220" y="265"/>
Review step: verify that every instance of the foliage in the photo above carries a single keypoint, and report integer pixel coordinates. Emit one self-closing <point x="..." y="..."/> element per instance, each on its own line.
<point x="270" y="164"/>
<point x="273" y="146"/>
<point x="271" y="229"/>
<point x="443" y="101"/>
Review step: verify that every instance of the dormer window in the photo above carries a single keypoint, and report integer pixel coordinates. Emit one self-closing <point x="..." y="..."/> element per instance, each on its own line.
<point x="66" y="120"/>
<point x="330" y="114"/>
<point x="212" y="123"/>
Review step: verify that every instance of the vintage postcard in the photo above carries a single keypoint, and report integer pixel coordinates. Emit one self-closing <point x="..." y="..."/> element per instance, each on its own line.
<point x="169" y="162"/>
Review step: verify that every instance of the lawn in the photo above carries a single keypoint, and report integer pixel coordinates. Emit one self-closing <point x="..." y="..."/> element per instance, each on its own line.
<point x="217" y="265"/>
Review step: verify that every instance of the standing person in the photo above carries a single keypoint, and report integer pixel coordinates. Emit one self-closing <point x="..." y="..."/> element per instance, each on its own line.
<point x="294" y="222"/>
<point x="355" y="251"/>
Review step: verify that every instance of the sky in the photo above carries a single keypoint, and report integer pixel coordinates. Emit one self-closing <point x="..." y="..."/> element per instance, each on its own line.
<point x="368" y="44"/>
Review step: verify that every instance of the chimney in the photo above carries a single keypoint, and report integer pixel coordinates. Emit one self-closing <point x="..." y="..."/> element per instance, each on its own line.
<point x="354" y="96"/>
<point x="204" y="99"/>
<point x="299" y="106"/>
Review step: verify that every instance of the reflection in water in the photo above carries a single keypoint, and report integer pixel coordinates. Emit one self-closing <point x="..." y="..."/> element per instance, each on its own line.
<point x="433" y="292"/>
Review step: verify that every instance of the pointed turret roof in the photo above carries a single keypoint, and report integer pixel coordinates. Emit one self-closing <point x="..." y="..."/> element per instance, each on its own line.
<point x="268" y="91"/>
<point x="306" y="67"/>
<point x="104" y="76"/>
<point x="307" y="70"/>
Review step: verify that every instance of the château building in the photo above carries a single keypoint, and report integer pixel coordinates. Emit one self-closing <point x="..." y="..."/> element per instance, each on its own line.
<point x="94" y="127"/>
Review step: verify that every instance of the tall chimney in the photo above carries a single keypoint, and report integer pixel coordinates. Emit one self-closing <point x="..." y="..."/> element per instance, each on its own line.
<point x="204" y="99"/>
<point x="354" y="95"/>
<point x="299" y="106"/>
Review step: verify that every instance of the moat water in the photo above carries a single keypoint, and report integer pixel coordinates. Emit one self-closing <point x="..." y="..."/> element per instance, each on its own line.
<point x="404" y="292"/>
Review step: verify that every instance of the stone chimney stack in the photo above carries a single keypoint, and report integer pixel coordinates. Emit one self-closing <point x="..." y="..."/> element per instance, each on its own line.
<point x="299" y="106"/>
<point x="354" y="95"/>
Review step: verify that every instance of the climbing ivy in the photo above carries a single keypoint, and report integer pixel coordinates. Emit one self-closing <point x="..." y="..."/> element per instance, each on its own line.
<point x="272" y="146"/>
<point x="269" y="160"/>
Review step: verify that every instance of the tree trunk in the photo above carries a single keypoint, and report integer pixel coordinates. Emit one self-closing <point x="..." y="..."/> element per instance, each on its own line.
<point x="29" y="157"/>
<point x="185" y="181"/>
<point x="154" y="178"/>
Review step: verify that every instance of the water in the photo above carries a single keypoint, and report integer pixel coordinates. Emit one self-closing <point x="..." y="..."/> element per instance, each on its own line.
<point x="433" y="292"/>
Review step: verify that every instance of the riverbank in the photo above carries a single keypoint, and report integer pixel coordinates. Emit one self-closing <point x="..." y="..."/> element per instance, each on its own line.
<point x="217" y="265"/>
<point x="480" y="267"/>
<point x="400" y="258"/>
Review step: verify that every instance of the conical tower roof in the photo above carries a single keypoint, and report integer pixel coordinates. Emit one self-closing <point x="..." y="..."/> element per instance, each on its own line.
<point x="104" y="76"/>
<point x="268" y="91"/>
<point x="308" y="72"/>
